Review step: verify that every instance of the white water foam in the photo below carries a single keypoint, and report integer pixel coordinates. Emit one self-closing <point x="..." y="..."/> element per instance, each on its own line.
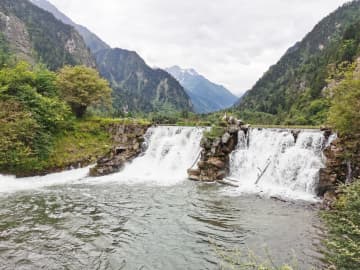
<point x="10" y="184"/>
<point x="170" y="152"/>
<point x="282" y="167"/>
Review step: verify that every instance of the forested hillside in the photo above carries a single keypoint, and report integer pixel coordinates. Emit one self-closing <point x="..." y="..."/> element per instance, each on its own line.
<point x="294" y="90"/>
<point x="37" y="36"/>
<point x="139" y="88"/>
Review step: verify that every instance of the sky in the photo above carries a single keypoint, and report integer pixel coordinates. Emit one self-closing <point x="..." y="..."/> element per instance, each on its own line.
<point x="231" y="42"/>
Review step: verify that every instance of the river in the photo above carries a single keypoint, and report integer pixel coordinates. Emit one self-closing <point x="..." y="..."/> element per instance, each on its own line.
<point x="150" y="217"/>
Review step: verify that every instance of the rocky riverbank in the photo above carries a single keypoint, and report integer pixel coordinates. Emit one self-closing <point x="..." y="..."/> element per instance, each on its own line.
<point x="216" y="147"/>
<point x="342" y="166"/>
<point x="127" y="141"/>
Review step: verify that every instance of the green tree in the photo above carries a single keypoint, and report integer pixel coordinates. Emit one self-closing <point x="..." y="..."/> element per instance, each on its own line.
<point x="81" y="87"/>
<point x="28" y="119"/>
<point x="344" y="114"/>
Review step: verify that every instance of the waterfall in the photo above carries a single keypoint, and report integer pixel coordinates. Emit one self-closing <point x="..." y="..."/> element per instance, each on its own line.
<point x="170" y="151"/>
<point x="279" y="165"/>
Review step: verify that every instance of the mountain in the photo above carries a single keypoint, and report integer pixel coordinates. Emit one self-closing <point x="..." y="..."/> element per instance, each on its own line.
<point x="292" y="91"/>
<point x="35" y="35"/>
<point x="205" y="95"/>
<point x="137" y="87"/>
<point x="92" y="41"/>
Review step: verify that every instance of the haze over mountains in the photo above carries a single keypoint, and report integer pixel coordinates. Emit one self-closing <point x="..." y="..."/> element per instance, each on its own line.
<point x="292" y="91"/>
<point x="206" y="96"/>
<point x="137" y="87"/>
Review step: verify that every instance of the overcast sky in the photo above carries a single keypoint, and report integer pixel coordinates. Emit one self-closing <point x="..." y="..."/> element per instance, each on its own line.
<point x="231" y="42"/>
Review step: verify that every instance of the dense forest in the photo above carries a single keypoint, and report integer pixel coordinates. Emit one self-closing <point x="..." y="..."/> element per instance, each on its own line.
<point x="295" y="90"/>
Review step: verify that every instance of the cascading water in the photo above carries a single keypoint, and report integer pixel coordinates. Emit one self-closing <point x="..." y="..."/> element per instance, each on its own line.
<point x="271" y="162"/>
<point x="170" y="151"/>
<point x="148" y="217"/>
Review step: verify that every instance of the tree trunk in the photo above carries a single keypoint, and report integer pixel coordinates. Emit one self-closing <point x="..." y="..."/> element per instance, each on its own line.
<point x="79" y="110"/>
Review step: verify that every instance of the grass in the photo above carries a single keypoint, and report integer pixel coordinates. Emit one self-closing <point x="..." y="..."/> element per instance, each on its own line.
<point x="123" y="121"/>
<point x="238" y="260"/>
<point x="86" y="141"/>
<point x="83" y="141"/>
<point x="214" y="132"/>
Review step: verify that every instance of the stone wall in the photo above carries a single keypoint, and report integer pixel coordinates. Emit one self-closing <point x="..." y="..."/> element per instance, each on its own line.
<point x="214" y="164"/>
<point x="127" y="141"/>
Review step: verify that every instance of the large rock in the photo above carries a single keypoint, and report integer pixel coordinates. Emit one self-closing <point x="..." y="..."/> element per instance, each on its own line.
<point x="225" y="138"/>
<point x="217" y="163"/>
<point x="214" y="161"/>
<point x="127" y="140"/>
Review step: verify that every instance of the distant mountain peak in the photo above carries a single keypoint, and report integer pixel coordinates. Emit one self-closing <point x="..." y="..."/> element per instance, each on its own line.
<point x="189" y="71"/>
<point x="205" y="95"/>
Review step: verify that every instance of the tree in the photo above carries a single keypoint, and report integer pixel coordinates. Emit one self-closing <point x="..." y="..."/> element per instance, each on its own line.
<point x="81" y="87"/>
<point x="344" y="114"/>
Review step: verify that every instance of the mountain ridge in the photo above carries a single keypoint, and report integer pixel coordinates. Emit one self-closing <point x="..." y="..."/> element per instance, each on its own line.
<point x="139" y="88"/>
<point x="130" y="77"/>
<point x="94" y="43"/>
<point x="206" y="96"/>
<point x="35" y="35"/>
<point x="291" y="91"/>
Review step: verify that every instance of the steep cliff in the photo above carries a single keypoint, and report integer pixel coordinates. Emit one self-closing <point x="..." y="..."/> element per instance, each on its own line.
<point x="37" y="36"/>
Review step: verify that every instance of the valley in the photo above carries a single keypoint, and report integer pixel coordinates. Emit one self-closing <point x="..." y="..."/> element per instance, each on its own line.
<point x="107" y="162"/>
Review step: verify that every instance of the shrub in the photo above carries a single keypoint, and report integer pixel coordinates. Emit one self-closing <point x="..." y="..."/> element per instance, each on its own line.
<point x="343" y="224"/>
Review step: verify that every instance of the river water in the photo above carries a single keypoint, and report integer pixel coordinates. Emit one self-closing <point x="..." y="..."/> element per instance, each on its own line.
<point x="150" y="217"/>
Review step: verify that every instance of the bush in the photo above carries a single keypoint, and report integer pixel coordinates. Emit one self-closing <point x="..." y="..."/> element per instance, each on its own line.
<point x="343" y="224"/>
<point x="344" y="114"/>
<point x="29" y="119"/>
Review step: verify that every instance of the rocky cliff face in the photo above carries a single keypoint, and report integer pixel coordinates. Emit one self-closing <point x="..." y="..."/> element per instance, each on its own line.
<point x="94" y="43"/>
<point x="127" y="140"/>
<point x="214" y="164"/>
<point x="342" y="164"/>
<point x="35" y="35"/>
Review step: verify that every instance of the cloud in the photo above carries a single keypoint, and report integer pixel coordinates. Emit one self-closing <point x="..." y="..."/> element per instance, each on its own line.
<point x="232" y="42"/>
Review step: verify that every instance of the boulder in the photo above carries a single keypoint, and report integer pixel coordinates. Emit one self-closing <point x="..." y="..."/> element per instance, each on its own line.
<point x="233" y="129"/>
<point x="221" y="175"/>
<point x="225" y="138"/>
<point x="217" y="163"/>
<point x="194" y="172"/>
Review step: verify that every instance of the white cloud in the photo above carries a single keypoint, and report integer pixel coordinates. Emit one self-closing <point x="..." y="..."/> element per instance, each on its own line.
<point x="232" y="42"/>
